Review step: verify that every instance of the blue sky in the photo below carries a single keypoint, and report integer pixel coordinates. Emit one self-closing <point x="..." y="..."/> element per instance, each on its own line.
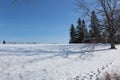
<point x="43" y="21"/>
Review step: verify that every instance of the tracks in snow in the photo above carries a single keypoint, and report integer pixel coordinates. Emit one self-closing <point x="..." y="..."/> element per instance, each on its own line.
<point x="93" y="75"/>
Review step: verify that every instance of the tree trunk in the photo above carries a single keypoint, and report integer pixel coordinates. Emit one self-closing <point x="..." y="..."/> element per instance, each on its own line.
<point x="112" y="43"/>
<point x="112" y="46"/>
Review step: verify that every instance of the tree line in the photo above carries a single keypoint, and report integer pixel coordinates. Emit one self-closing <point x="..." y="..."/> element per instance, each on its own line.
<point x="109" y="16"/>
<point x="94" y="33"/>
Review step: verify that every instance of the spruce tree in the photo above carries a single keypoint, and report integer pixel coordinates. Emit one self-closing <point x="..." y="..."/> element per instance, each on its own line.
<point x="79" y="37"/>
<point x="81" y="31"/>
<point x="4" y="42"/>
<point x="72" y="34"/>
<point x="95" y="28"/>
<point x="85" y="32"/>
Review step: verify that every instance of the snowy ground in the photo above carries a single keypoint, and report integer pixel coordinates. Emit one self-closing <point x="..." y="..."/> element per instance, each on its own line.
<point x="57" y="61"/>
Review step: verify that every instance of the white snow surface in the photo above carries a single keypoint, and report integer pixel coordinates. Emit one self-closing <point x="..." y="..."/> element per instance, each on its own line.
<point x="57" y="61"/>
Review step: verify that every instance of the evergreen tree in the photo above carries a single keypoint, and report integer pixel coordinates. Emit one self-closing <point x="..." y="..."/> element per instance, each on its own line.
<point x="85" y="32"/>
<point x="4" y="42"/>
<point x="117" y="37"/>
<point x="79" y="37"/>
<point x="72" y="34"/>
<point x="81" y="31"/>
<point x="95" y="28"/>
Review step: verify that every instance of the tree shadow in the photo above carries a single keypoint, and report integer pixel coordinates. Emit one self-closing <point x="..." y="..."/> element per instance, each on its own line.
<point x="65" y="52"/>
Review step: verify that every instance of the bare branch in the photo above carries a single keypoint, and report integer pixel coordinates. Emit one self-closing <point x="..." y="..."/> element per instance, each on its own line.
<point x="82" y="5"/>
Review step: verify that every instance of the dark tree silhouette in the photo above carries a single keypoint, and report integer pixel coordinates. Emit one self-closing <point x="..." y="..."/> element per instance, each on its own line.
<point x="109" y="10"/>
<point x="95" y="28"/>
<point x="4" y="42"/>
<point x="81" y="31"/>
<point x="72" y="34"/>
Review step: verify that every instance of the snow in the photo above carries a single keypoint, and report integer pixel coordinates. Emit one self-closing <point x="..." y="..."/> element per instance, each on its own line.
<point x="57" y="61"/>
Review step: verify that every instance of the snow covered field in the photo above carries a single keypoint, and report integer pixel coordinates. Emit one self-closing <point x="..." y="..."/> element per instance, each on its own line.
<point x="57" y="61"/>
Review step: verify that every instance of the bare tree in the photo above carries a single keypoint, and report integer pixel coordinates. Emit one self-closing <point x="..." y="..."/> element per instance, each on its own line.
<point x="109" y="10"/>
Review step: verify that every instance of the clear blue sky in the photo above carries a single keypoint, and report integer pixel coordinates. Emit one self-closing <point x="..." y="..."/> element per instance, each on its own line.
<point x="43" y="21"/>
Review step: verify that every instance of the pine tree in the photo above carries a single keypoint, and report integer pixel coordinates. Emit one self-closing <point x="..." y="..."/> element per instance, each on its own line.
<point x="79" y="35"/>
<point x="117" y="37"/>
<point x="4" y="42"/>
<point x="81" y="31"/>
<point x="85" y="32"/>
<point x="95" y="28"/>
<point x="72" y="34"/>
